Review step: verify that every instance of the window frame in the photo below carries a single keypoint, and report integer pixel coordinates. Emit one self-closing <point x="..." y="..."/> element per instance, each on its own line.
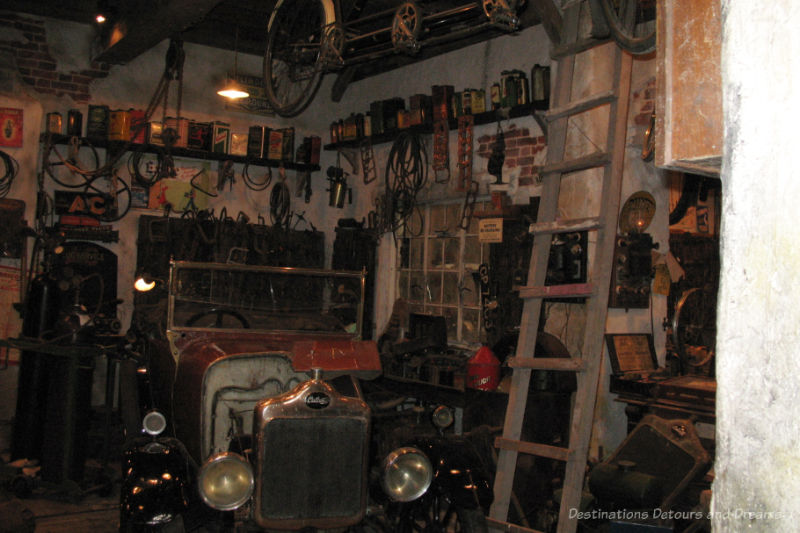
<point x="465" y="279"/>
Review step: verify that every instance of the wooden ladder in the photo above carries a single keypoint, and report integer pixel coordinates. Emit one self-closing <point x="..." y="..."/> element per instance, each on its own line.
<point x="596" y="292"/>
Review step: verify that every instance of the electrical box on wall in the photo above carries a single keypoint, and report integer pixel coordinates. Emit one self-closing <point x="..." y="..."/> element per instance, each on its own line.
<point x="632" y="271"/>
<point x="567" y="260"/>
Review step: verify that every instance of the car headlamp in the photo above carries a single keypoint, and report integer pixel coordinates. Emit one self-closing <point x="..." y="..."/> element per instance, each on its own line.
<point x="407" y="474"/>
<point x="154" y="423"/>
<point x="226" y="481"/>
<point x="442" y="417"/>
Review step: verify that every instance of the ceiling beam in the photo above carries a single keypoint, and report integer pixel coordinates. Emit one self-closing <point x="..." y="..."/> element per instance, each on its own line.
<point x="137" y="31"/>
<point x="549" y="15"/>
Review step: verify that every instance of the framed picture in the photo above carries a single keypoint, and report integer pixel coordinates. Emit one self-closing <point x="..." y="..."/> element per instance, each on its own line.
<point x="631" y="352"/>
<point x="11" y="127"/>
<point x="257" y="103"/>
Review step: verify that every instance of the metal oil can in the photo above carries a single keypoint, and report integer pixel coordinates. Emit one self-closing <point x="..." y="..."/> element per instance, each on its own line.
<point x="119" y="125"/>
<point x="54" y="123"/>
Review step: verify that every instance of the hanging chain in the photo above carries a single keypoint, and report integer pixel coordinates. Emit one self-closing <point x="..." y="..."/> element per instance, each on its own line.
<point x="441" y="154"/>
<point x="465" y="125"/>
<point x="368" y="161"/>
<point x="469" y="205"/>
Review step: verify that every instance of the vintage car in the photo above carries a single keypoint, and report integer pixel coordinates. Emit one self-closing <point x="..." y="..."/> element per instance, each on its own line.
<point x="254" y="412"/>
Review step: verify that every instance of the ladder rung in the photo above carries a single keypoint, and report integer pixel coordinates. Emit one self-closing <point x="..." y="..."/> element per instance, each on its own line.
<point x="581" y="105"/>
<point x="573" y="364"/>
<point x="510" y="528"/>
<point x="533" y="448"/>
<point x="597" y="159"/>
<point x="572" y="290"/>
<point x="565" y="226"/>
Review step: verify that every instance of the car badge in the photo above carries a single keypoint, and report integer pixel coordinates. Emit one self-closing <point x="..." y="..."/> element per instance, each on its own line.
<point x="318" y="400"/>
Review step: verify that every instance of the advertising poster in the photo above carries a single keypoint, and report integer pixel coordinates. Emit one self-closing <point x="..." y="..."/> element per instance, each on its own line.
<point x="10" y="127"/>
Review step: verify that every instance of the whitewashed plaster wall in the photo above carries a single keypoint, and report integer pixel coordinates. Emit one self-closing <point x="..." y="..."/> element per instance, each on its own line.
<point x="13" y="94"/>
<point x="476" y="66"/>
<point x="758" y="339"/>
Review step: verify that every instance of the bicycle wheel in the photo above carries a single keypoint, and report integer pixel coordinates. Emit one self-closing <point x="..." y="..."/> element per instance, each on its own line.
<point x="72" y="165"/>
<point x="294" y="59"/>
<point x="632" y="24"/>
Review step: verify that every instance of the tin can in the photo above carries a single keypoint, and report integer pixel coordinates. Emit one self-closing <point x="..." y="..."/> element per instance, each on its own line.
<point x="466" y="102"/>
<point x="238" y="145"/>
<point x="221" y="134"/>
<point x="458" y="109"/>
<point x="54" y="123"/>
<point x="483" y="370"/>
<point x="508" y="85"/>
<point x="74" y="123"/>
<point x="257" y="141"/>
<point x="154" y="131"/>
<point x="350" y="128"/>
<point x="540" y="84"/>
<point x="199" y="136"/>
<point x="274" y="145"/>
<point x="523" y="92"/>
<point x="497" y="102"/>
<point x="334" y="132"/>
<point x="403" y="119"/>
<point x="119" y="125"/>
<point x="287" y="144"/>
<point x="97" y="123"/>
<point x="368" y="125"/>
<point x="138" y="126"/>
<point x="359" y="125"/>
<point x="478" y="101"/>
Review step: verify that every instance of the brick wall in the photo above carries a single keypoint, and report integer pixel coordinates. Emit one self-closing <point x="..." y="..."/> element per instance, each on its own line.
<point x="521" y="151"/>
<point x="644" y="102"/>
<point x="25" y="39"/>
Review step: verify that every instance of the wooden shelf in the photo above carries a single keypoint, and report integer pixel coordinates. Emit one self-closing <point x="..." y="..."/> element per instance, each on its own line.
<point x="487" y="117"/>
<point x="183" y="152"/>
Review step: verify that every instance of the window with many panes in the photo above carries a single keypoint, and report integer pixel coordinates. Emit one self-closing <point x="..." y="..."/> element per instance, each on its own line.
<point x="438" y="269"/>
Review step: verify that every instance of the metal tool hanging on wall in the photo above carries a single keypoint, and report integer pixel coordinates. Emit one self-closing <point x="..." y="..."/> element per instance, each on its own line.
<point x="280" y="201"/>
<point x="303" y="187"/>
<point x="338" y="190"/>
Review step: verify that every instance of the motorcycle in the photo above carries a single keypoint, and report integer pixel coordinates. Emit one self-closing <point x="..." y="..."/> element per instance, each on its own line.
<point x="433" y="480"/>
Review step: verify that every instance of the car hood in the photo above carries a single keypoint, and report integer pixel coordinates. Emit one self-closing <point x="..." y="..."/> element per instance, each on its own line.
<point x="334" y="354"/>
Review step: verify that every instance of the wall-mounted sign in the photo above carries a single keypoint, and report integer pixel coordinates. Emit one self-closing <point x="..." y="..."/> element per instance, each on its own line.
<point x="11" y="127"/>
<point x="490" y="230"/>
<point x="257" y="102"/>
<point x="84" y="204"/>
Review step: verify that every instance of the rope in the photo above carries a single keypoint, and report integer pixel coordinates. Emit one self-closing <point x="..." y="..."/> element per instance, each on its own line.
<point x="12" y="168"/>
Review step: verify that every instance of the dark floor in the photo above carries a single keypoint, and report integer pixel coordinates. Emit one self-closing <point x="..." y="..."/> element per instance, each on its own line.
<point x="56" y="509"/>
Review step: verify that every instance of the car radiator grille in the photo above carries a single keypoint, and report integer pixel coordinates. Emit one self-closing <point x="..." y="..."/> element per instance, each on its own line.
<point x="312" y="468"/>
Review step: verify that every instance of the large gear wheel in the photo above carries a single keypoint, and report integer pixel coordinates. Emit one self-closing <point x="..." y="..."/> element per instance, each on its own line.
<point x="501" y="14"/>
<point x="406" y="27"/>
<point x="693" y="325"/>
<point x="333" y="47"/>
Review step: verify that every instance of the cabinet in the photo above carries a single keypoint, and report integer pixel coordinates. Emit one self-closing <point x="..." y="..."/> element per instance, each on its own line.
<point x="689" y="86"/>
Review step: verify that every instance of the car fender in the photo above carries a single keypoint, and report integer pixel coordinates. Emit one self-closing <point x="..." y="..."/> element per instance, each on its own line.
<point x="459" y="470"/>
<point x="155" y="483"/>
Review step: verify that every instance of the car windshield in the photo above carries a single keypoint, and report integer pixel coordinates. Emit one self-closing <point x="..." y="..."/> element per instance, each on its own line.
<point x="232" y="296"/>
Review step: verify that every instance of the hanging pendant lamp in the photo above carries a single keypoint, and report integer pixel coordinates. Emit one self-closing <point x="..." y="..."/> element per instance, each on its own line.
<point x="233" y="90"/>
